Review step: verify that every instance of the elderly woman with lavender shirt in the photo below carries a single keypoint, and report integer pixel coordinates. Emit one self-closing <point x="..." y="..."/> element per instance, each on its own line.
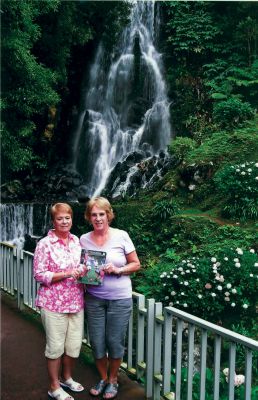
<point x="108" y="307"/>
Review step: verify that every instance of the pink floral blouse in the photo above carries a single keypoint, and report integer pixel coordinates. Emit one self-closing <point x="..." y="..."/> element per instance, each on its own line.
<point x="52" y="255"/>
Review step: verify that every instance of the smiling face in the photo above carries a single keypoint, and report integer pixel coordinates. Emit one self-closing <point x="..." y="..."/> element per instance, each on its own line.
<point x="99" y="219"/>
<point x="62" y="223"/>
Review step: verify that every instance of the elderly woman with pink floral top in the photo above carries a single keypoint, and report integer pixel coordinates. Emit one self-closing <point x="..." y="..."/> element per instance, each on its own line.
<point x="61" y="300"/>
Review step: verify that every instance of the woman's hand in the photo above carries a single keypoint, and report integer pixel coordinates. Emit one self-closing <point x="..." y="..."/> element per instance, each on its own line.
<point x="110" y="269"/>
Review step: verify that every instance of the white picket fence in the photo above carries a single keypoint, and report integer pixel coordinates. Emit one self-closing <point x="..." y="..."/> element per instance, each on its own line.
<point x="162" y="342"/>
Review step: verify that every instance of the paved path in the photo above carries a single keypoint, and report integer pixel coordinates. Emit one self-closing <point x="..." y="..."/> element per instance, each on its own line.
<point x="23" y="367"/>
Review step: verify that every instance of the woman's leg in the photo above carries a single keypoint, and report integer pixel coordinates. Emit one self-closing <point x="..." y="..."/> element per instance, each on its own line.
<point x="68" y="364"/>
<point x="102" y="366"/>
<point x="53" y="368"/>
<point x="114" y="365"/>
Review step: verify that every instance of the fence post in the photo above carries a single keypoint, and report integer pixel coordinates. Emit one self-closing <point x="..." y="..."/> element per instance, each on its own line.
<point x="149" y="347"/>
<point x="19" y="255"/>
<point x="158" y="327"/>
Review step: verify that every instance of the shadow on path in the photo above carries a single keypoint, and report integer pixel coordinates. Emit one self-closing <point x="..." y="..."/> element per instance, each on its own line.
<point x="23" y="366"/>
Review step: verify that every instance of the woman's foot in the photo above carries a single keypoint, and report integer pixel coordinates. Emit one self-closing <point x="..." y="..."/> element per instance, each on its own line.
<point x="98" y="388"/>
<point x="110" y="391"/>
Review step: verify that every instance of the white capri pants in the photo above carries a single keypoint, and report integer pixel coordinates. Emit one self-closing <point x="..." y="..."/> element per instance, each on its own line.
<point x="64" y="333"/>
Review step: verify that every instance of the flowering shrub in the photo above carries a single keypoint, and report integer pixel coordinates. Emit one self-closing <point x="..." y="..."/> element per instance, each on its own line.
<point x="208" y="287"/>
<point x="239" y="183"/>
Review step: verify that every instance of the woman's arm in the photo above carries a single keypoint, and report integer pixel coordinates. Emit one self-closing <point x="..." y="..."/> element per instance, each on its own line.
<point x="132" y="265"/>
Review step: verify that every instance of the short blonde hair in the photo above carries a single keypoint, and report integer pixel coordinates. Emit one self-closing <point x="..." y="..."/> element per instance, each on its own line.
<point x="60" y="207"/>
<point x="102" y="203"/>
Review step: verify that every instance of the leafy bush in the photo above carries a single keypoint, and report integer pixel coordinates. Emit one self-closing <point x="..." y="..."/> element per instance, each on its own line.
<point x="232" y="112"/>
<point x="164" y="209"/>
<point x="227" y="147"/>
<point x="181" y="146"/>
<point x="239" y="183"/>
<point x="207" y="287"/>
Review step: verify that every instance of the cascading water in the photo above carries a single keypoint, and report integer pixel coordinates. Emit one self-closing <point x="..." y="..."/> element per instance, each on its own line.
<point x="126" y="108"/>
<point x="19" y="220"/>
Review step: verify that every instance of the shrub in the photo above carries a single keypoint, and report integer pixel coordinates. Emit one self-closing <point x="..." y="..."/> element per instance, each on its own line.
<point x="181" y="146"/>
<point x="164" y="209"/>
<point x="239" y="183"/>
<point x="208" y="287"/>
<point x="232" y="112"/>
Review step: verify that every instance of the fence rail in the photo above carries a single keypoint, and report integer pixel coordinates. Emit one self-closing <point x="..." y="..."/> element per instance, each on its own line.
<point x="166" y="347"/>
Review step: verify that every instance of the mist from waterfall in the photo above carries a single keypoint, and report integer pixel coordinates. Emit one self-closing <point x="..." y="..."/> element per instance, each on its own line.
<point x="126" y="107"/>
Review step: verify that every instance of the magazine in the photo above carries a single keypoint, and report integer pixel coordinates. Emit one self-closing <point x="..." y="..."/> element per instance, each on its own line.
<point x="95" y="261"/>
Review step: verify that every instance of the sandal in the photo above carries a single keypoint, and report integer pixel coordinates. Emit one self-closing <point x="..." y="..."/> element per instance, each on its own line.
<point x="99" y="387"/>
<point x="112" y="389"/>
<point x="72" y="385"/>
<point x="60" y="394"/>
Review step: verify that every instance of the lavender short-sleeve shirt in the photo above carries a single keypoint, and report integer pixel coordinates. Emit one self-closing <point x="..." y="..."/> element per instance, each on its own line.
<point x="117" y="247"/>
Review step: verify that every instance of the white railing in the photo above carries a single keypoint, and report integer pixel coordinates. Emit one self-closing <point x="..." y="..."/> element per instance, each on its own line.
<point x="162" y="343"/>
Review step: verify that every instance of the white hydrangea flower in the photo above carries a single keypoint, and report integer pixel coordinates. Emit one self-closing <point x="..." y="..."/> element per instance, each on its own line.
<point x="243" y="173"/>
<point x="249" y="170"/>
<point x="227" y="294"/>
<point x="213" y="294"/>
<point x="166" y="297"/>
<point x="183" y="261"/>
<point x="175" y="276"/>
<point x="233" y="304"/>
<point x="239" y="380"/>
<point x="256" y="178"/>
<point x="234" y="291"/>
<point x="226" y="371"/>
<point x="186" y="283"/>
<point x="236" y="260"/>
<point x="252" y="251"/>
<point x="197" y="280"/>
<point x="173" y="293"/>
<point x="164" y="284"/>
<point x="256" y="164"/>
<point x="180" y="269"/>
<point x="239" y="251"/>
<point x="251" y="275"/>
<point x="213" y="259"/>
<point x="188" y="271"/>
<point x="199" y="296"/>
<point x="227" y="299"/>
<point x="170" y="304"/>
<point x="229" y="285"/>
<point x="237" y="265"/>
<point x="226" y="258"/>
<point x="185" y="305"/>
<point x="219" y="287"/>
<point x="245" y="306"/>
<point x="182" y="293"/>
<point x="194" y="270"/>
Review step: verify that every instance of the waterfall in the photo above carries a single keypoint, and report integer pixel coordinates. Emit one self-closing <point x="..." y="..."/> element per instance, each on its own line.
<point x="125" y="108"/>
<point x="19" y="220"/>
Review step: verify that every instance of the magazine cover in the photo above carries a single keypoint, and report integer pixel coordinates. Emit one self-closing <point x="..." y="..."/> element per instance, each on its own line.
<point x="94" y="260"/>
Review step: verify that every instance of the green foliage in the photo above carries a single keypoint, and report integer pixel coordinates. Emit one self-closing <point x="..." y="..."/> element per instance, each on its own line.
<point x="239" y="184"/>
<point x="197" y="33"/>
<point x="164" y="209"/>
<point x="209" y="374"/>
<point x="232" y="112"/>
<point x="211" y="57"/>
<point x="207" y="287"/>
<point x="181" y="146"/>
<point x="223" y="147"/>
